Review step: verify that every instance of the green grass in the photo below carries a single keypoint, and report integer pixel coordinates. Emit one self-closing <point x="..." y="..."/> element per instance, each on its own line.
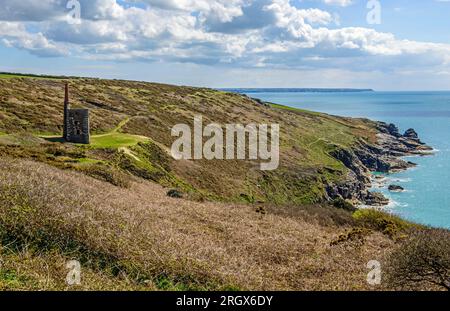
<point x="10" y="280"/>
<point x="9" y="76"/>
<point x="5" y="75"/>
<point x="88" y="161"/>
<point x="116" y="140"/>
<point x="121" y="125"/>
<point x="113" y="139"/>
<point x="293" y="109"/>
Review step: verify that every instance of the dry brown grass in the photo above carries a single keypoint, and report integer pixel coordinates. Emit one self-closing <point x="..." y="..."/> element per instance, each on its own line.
<point x="46" y="271"/>
<point x="141" y="235"/>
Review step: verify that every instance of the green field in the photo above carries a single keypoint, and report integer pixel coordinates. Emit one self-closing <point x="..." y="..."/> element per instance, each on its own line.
<point x="4" y="75"/>
<point x="116" y="140"/>
<point x="9" y="76"/>
<point x="111" y="140"/>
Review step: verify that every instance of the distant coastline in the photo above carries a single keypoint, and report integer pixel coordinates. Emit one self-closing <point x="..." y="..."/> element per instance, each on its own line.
<point x="295" y="90"/>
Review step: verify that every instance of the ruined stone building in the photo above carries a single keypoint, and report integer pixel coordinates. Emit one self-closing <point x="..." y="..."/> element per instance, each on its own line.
<point x="76" y="123"/>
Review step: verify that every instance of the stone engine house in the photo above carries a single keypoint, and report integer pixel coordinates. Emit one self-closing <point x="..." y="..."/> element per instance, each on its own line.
<point x="76" y="123"/>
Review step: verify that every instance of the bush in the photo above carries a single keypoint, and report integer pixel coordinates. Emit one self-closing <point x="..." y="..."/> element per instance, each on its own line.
<point x="106" y="173"/>
<point x="324" y="215"/>
<point x="176" y="194"/>
<point x="345" y="205"/>
<point x="357" y="236"/>
<point x="422" y="259"/>
<point x="391" y="225"/>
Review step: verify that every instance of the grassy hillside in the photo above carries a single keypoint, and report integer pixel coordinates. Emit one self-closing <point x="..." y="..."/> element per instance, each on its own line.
<point x="131" y="122"/>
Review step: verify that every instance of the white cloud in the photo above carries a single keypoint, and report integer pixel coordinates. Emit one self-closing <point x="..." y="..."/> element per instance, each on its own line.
<point x="246" y="33"/>
<point x="14" y="34"/>
<point x="30" y="10"/>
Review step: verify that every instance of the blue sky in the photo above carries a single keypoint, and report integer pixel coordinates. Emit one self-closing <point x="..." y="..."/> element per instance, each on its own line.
<point x="233" y="43"/>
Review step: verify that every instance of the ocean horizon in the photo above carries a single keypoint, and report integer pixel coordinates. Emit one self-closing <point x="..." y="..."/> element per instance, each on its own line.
<point x="426" y="199"/>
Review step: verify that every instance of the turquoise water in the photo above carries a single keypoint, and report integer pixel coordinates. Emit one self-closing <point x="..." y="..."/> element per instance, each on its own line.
<point x="427" y="196"/>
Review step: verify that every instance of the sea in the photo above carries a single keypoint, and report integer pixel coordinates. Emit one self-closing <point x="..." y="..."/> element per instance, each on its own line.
<point x="426" y="198"/>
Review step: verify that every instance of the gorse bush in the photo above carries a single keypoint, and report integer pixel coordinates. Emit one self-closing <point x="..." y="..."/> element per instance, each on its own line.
<point x="391" y="225"/>
<point x="107" y="173"/>
<point x="422" y="259"/>
<point x="145" y="240"/>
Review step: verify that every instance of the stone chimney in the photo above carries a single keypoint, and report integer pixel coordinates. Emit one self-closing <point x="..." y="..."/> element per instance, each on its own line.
<point x="66" y="110"/>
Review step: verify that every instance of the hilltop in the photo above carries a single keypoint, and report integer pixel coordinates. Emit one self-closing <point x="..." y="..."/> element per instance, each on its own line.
<point x="236" y="227"/>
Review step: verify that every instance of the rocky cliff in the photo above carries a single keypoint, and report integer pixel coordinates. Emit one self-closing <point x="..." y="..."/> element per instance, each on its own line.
<point x="384" y="156"/>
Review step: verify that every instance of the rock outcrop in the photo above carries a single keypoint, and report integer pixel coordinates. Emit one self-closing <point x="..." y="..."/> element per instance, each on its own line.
<point x="376" y="199"/>
<point x="411" y="134"/>
<point x="385" y="156"/>
<point x="396" y="188"/>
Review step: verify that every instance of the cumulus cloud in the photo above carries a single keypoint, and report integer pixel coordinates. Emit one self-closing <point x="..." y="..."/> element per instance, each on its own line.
<point x="30" y="10"/>
<point x="13" y="34"/>
<point x="253" y="33"/>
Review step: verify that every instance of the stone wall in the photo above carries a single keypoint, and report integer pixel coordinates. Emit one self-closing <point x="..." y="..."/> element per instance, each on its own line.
<point x="78" y="126"/>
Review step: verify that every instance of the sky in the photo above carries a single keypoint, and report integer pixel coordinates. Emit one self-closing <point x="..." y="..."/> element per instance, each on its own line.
<point x="384" y="45"/>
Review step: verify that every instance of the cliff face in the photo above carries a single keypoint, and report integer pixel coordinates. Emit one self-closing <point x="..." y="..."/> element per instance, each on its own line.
<point x="384" y="156"/>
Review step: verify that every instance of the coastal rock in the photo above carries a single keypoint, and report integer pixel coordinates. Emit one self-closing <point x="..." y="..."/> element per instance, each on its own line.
<point x="412" y="134"/>
<point x="350" y="189"/>
<point x="259" y="101"/>
<point x="376" y="199"/>
<point x="390" y="129"/>
<point x="371" y="158"/>
<point x="384" y="156"/>
<point x="352" y="162"/>
<point x="398" y="165"/>
<point x="396" y="188"/>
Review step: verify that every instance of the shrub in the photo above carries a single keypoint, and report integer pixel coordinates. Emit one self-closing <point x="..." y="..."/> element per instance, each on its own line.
<point x="323" y="215"/>
<point x="345" y="205"/>
<point x="59" y="150"/>
<point x="356" y="236"/>
<point x="176" y="194"/>
<point x="388" y="224"/>
<point x="422" y="259"/>
<point x="106" y="173"/>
